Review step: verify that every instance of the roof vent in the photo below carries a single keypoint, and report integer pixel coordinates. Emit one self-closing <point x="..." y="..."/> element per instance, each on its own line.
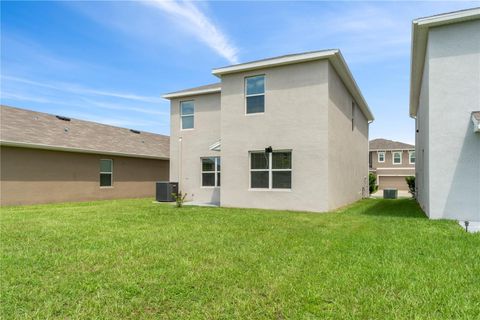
<point x="63" y="118"/>
<point x="135" y="131"/>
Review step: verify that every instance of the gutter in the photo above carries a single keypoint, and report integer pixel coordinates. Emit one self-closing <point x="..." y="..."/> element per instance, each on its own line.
<point x="77" y="150"/>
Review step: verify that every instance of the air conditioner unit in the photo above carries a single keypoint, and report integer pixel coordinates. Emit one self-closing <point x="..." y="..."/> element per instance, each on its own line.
<point x="164" y="191"/>
<point x="390" y="193"/>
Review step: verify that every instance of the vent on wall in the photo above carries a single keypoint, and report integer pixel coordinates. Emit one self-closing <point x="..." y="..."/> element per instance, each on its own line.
<point x="63" y="118"/>
<point x="135" y="131"/>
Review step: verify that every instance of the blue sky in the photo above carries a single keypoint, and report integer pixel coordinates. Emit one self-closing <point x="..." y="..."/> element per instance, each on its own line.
<point x="111" y="61"/>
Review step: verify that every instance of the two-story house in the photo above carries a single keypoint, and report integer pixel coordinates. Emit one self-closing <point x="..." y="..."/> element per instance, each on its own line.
<point x="391" y="161"/>
<point x="444" y="99"/>
<point x="289" y="132"/>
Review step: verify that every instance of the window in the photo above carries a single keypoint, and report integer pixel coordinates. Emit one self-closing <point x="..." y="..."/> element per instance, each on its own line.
<point x="255" y="94"/>
<point x="411" y="157"/>
<point x="381" y="156"/>
<point x="271" y="170"/>
<point x="397" y="157"/>
<point x="106" y="172"/>
<point x="211" y="172"/>
<point x="187" y="109"/>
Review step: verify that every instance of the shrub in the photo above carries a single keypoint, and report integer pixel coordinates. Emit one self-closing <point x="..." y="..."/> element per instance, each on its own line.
<point x="372" y="181"/>
<point x="179" y="198"/>
<point x="411" y="185"/>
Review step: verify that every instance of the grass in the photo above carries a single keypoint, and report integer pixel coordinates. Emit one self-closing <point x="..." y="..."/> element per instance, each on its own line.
<point x="133" y="259"/>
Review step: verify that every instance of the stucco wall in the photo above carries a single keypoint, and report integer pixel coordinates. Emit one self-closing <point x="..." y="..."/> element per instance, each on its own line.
<point x="422" y="146"/>
<point x="389" y="160"/>
<point x="30" y="176"/>
<point x="347" y="148"/>
<point x="454" y="92"/>
<point x="295" y="118"/>
<point x="194" y="145"/>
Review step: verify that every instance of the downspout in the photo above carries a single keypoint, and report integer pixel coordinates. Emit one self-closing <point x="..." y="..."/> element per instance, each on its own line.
<point x="179" y="163"/>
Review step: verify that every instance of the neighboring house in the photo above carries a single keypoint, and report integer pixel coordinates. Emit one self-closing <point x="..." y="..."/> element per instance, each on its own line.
<point x="282" y="133"/>
<point x="47" y="158"/>
<point x="391" y="161"/>
<point x="444" y="100"/>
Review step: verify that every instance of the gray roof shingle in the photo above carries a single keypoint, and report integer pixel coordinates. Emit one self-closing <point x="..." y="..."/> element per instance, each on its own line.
<point x="384" y="144"/>
<point x="20" y="126"/>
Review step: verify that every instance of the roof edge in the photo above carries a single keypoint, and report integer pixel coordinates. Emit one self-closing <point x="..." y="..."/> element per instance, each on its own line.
<point x="420" y="29"/>
<point x="77" y="150"/>
<point x="272" y="62"/>
<point x="191" y="93"/>
<point x="333" y="55"/>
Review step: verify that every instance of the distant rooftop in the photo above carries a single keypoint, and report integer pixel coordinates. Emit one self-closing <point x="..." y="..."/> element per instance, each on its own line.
<point x="26" y="128"/>
<point x="384" y="144"/>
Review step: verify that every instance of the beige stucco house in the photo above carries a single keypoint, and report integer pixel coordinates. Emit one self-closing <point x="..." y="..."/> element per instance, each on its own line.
<point x="47" y="158"/>
<point x="391" y="161"/>
<point x="444" y="99"/>
<point x="289" y="132"/>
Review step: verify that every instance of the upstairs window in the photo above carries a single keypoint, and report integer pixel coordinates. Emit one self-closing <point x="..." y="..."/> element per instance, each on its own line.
<point x="381" y="156"/>
<point x="106" y="172"/>
<point x="211" y="172"/>
<point x="255" y="94"/>
<point x="271" y="170"/>
<point x="187" y="109"/>
<point x="397" y="157"/>
<point x="411" y="157"/>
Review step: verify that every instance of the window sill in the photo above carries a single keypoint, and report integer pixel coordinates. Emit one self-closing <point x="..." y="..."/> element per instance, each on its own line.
<point x="254" y="113"/>
<point x="204" y="187"/>
<point x="110" y="187"/>
<point x="190" y="129"/>
<point x="266" y="190"/>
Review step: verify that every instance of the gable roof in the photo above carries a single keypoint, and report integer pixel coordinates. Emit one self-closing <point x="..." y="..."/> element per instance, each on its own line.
<point x="384" y="144"/>
<point x="209" y="88"/>
<point x="420" y="29"/>
<point x="334" y="56"/>
<point x="31" y="129"/>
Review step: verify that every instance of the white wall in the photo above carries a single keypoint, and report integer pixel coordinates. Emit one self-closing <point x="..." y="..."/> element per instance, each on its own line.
<point x="422" y="141"/>
<point x="194" y="145"/>
<point x="454" y="149"/>
<point x="347" y="148"/>
<point x="296" y="115"/>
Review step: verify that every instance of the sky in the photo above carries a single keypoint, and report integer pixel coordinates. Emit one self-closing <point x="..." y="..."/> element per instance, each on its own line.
<point x="111" y="61"/>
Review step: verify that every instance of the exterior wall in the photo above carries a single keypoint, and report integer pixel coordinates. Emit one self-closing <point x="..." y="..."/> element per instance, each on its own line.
<point x="389" y="160"/>
<point x="391" y="175"/>
<point x="185" y="162"/>
<point x="422" y="147"/>
<point x="295" y="118"/>
<point x="348" y="149"/>
<point x="454" y="149"/>
<point x="30" y="176"/>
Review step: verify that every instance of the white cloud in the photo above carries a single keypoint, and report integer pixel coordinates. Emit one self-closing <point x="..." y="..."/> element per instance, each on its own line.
<point x="189" y="16"/>
<point x="73" y="88"/>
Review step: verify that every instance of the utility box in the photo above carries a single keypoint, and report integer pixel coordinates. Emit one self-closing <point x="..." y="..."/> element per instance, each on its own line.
<point x="390" y="193"/>
<point x="165" y="190"/>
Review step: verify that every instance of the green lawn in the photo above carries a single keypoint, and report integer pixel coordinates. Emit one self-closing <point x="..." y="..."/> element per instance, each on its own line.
<point x="131" y="259"/>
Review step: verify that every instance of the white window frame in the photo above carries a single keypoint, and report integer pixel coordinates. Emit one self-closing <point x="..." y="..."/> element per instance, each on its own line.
<point x="393" y="157"/>
<point x="255" y="95"/>
<point x="215" y="171"/>
<point x="104" y="172"/>
<point x="187" y="115"/>
<point x="378" y="156"/>
<point x="410" y="157"/>
<point x="270" y="171"/>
